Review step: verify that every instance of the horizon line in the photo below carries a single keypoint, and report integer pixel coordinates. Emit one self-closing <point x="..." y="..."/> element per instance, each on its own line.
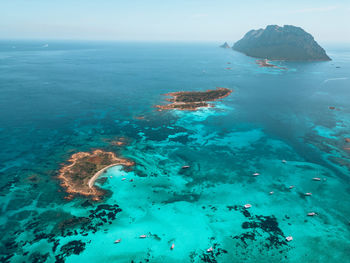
<point x="137" y="40"/>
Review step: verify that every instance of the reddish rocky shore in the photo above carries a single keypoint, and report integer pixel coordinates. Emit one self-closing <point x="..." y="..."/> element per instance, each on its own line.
<point x="83" y="168"/>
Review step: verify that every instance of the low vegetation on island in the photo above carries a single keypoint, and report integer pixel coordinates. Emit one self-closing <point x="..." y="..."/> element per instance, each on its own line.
<point x="192" y="100"/>
<point x="82" y="170"/>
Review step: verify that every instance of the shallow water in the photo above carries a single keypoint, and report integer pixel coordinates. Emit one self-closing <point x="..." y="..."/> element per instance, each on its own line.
<point x="71" y="97"/>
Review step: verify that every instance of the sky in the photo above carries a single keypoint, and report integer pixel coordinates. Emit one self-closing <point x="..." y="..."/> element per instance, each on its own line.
<point x="169" y="20"/>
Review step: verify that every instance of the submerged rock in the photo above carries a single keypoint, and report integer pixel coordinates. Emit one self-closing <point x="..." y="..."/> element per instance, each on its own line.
<point x="74" y="247"/>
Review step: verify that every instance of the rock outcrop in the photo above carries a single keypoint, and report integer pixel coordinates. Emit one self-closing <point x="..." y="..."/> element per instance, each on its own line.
<point x="225" y="45"/>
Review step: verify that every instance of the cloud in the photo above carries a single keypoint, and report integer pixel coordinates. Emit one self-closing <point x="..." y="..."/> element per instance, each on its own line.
<point x="317" y="9"/>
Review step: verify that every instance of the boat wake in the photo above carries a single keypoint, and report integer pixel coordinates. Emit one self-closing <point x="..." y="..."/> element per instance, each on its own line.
<point x="327" y="80"/>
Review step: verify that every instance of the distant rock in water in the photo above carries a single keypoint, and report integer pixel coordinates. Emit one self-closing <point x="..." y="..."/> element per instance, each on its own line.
<point x="281" y="43"/>
<point x="225" y="45"/>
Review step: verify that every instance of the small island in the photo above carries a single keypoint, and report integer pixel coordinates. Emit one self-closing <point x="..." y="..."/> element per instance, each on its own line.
<point x="265" y="63"/>
<point x="82" y="170"/>
<point x="281" y="43"/>
<point x="192" y="100"/>
<point x="225" y="45"/>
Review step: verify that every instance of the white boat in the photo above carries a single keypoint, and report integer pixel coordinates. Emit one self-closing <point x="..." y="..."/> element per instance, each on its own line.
<point x="117" y="241"/>
<point x="172" y="246"/>
<point x="210" y="249"/>
<point x="291" y="187"/>
<point x="185" y="167"/>
<point x="143" y="236"/>
<point x="289" y="238"/>
<point x="247" y="206"/>
<point x="256" y="174"/>
<point x="123" y="179"/>
<point x="316" y="179"/>
<point x="308" y="194"/>
<point x="311" y="214"/>
<point x="271" y="193"/>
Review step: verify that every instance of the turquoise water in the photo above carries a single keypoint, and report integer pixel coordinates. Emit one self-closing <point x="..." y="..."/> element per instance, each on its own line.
<point x="63" y="98"/>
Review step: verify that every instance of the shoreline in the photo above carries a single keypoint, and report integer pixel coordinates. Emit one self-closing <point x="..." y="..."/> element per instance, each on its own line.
<point x="92" y="180"/>
<point x="83" y="169"/>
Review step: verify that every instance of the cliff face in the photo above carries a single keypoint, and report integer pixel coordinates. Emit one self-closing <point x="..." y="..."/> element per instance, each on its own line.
<point x="281" y="43"/>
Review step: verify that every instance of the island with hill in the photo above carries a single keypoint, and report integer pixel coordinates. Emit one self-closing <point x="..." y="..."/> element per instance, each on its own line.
<point x="83" y="168"/>
<point x="192" y="100"/>
<point x="281" y="43"/>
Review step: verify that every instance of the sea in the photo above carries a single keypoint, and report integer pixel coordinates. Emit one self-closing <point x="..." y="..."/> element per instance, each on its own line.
<point x="278" y="143"/>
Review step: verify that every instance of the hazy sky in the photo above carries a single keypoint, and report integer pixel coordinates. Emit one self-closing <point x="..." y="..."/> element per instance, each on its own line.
<point x="169" y="20"/>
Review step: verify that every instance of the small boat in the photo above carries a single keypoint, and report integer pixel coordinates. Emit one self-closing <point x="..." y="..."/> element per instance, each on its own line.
<point x="311" y="214"/>
<point x="289" y="238"/>
<point x="284" y="161"/>
<point x="185" y="167"/>
<point x="271" y="193"/>
<point x="308" y="194"/>
<point x="291" y="187"/>
<point x="172" y="246"/>
<point x="256" y="174"/>
<point x="123" y="179"/>
<point x="111" y="176"/>
<point x="117" y="241"/>
<point x="247" y="206"/>
<point x="316" y="179"/>
<point x="210" y="249"/>
<point x="143" y="236"/>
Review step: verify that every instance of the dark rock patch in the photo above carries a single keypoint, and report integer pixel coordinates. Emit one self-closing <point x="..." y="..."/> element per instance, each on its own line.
<point x="37" y="257"/>
<point x="210" y="256"/>
<point x="74" y="247"/>
<point x="263" y="226"/>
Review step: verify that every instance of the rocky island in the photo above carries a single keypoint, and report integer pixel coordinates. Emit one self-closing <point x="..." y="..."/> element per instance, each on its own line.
<point x="225" y="45"/>
<point x="281" y="43"/>
<point x="265" y="63"/>
<point x="82" y="170"/>
<point x="192" y="100"/>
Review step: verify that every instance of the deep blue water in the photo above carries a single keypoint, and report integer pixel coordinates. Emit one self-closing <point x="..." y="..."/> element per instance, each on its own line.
<point x="68" y="97"/>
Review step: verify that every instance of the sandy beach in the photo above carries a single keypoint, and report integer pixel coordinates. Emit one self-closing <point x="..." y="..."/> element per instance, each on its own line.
<point x="97" y="175"/>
